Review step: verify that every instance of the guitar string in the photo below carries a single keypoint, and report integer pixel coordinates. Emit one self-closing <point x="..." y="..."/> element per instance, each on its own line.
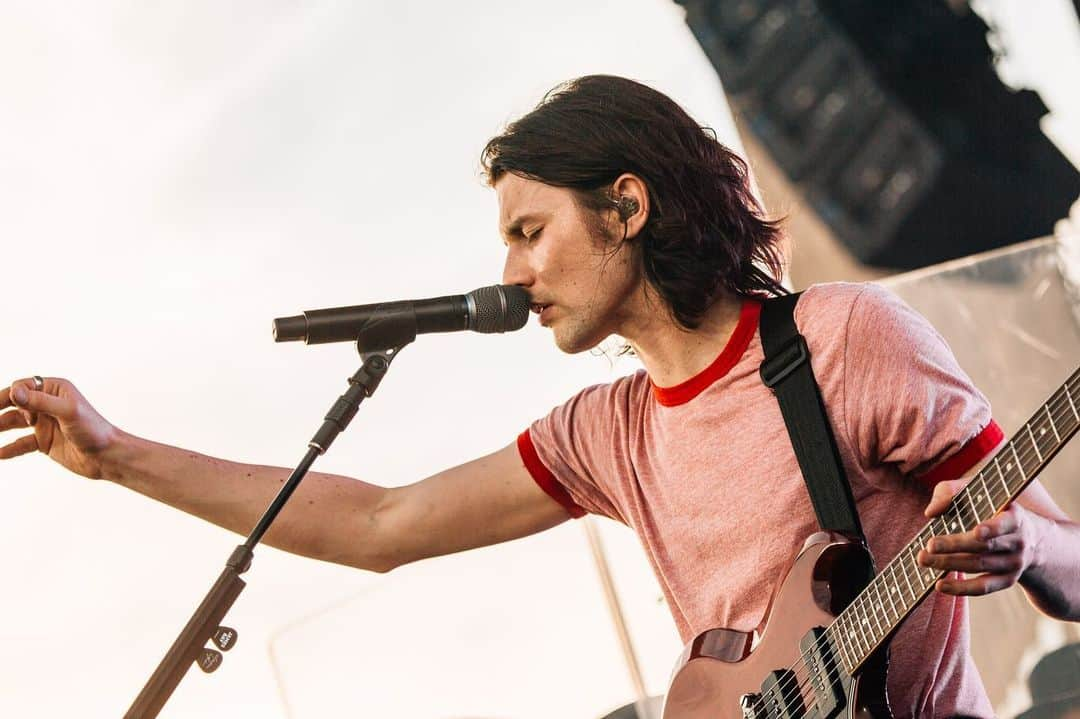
<point x="785" y="686"/>
<point x="787" y="691"/>
<point x="1058" y="402"/>
<point x="1060" y="399"/>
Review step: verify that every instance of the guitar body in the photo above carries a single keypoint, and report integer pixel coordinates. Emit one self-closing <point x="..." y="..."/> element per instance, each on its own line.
<point x="721" y="672"/>
<point x="822" y="649"/>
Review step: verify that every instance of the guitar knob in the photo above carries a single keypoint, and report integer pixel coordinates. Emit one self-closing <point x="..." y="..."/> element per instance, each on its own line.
<point x="751" y="706"/>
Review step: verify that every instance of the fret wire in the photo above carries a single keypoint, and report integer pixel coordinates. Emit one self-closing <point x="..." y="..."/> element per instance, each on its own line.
<point x="957" y="510"/>
<point x="966" y="508"/>
<point x="893" y="588"/>
<point x="1034" y="442"/>
<point x="859" y="627"/>
<point x="841" y="654"/>
<point x="837" y="638"/>
<point x="870" y="615"/>
<point x="986" y="491"/>
<point x="888" y="605"/>
<point x="940" y="527"/>
<point x="918" y="545"/>
<point x="966" y="500"/>
<point x="1019" y="467"/>
<point x="932" y="576"/>
<point x="1068" y="395"/>
<point x="1051" y="418"/>
<point x="907" y="577"/>
<point x="835" y="630"/>
<point x="830" y="636"/>
<point x="880" y="604"/>
<point x="857" y="633"/>
<point x="852" y="636"/>
<point x="1001" y="476"/>
<point x="1066" y="415"/>
<point x="926" y="574"/>
<point x="852" y="648"/>
<point x="1061" y="407"/>
<point x="971" y="500"/>
<point x="849" y="630"/>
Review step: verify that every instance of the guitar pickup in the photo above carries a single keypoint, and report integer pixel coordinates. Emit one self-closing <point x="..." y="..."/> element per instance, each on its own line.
<point x="824" y="672"/>
<point x="788" y="696"/>
<point x="780" y="693"/>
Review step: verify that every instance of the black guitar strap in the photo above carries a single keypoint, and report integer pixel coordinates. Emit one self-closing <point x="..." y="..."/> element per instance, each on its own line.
<point x="787" y="372"/>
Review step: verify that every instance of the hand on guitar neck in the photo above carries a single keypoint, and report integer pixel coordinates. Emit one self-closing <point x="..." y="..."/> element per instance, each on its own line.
<point x="1025" y="543"/>
<point x="822" y="652"/>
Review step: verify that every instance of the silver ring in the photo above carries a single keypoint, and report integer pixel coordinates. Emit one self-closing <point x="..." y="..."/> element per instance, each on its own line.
<point x="39" y="383"/>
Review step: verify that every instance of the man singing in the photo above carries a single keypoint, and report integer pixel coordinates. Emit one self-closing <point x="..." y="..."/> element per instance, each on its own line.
<point x="622" y="216"/>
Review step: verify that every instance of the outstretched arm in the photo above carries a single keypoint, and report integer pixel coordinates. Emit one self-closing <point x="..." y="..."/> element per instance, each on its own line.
<point x="331" y="517"/>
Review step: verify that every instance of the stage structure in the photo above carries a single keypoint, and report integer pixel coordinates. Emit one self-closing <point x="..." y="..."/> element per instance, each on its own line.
<point x="891" y="119"/>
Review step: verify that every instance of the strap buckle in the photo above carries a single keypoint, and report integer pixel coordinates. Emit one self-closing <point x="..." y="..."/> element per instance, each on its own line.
<point x="786" y="360"/>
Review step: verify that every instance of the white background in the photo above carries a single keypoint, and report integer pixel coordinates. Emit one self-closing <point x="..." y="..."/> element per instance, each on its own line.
<point x="175" y="178"/>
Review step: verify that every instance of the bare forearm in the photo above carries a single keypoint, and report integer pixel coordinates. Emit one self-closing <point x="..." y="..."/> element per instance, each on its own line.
<point x="1052" y="582"/>
<point x="329" y="517"/>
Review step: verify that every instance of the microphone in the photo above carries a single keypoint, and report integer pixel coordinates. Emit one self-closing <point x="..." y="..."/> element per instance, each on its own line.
<point x="498" y="308"/>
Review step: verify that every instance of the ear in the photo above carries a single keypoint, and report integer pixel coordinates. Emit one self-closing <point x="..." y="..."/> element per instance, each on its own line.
<point x="632" y="197"/>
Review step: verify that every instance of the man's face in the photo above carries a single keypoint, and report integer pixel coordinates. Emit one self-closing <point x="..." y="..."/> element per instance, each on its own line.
<point x="579" y="282"/>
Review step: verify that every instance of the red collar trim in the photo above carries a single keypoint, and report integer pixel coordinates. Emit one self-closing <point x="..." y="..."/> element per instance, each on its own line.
<point x="732" y="352"/>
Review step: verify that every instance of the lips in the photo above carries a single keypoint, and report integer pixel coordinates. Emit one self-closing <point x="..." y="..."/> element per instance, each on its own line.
<point x="541" y="309"/>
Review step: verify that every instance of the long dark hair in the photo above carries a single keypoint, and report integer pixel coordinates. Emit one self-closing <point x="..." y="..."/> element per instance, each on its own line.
<point x="706" y="233"/>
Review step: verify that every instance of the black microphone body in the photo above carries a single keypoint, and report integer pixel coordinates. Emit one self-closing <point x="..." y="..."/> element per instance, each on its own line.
<point x="498" y="308"/>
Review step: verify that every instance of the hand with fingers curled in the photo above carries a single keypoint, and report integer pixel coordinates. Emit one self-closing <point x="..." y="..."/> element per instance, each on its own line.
<point x="997" y="551"/>
<point x="65" y="426"/>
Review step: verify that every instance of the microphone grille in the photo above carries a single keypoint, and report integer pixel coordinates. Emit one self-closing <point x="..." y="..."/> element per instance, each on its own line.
<point x="498" y="308"/>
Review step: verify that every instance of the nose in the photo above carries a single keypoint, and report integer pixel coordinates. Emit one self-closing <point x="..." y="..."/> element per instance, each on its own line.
<point x="516" y="270"/>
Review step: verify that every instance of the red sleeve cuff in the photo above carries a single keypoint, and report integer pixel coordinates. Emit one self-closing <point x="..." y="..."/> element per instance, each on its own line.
<point x="969" y="455"/>
<point x="543" y="477"/>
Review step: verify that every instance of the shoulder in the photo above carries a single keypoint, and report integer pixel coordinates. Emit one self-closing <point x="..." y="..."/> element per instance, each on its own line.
<point x="832" y="300"/>
<point x="861" y="312"/>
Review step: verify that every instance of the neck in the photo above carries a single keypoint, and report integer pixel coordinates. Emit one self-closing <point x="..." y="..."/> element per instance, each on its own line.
<point x="671" y="353"/>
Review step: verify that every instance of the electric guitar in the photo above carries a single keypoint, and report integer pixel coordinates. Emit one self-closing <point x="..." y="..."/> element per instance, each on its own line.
<point x="822" y="649"/>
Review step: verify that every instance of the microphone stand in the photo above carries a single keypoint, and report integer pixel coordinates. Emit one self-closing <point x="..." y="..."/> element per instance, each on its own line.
<point x="378" y="344"/>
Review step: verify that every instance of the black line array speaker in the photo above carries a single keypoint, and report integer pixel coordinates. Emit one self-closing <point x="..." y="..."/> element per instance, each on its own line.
<point x="892" y="120"/>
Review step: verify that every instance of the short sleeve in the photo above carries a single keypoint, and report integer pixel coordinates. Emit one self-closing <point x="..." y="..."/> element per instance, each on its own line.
<point x="571" y="453"/>
<point x="907" y="402"/>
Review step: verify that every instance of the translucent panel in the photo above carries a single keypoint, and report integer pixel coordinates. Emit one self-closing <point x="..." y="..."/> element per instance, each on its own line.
<point x="1011" y="318"/>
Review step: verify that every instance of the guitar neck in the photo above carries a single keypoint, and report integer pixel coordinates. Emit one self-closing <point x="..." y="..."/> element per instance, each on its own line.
<point x="897" y="589"/>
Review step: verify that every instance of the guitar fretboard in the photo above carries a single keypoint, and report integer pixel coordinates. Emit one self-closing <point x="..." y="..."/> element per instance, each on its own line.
<point x="903" y="583"/>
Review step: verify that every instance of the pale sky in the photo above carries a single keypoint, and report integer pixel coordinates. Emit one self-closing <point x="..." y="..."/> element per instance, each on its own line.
<point x="176" y="176"/>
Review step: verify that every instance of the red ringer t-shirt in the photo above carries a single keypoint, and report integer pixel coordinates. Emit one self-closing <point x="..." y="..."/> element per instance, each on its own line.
<point x="705" y="474"/>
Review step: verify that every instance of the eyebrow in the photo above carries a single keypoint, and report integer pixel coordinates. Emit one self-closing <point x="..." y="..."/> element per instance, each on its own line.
<point x="514" y="228"/>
